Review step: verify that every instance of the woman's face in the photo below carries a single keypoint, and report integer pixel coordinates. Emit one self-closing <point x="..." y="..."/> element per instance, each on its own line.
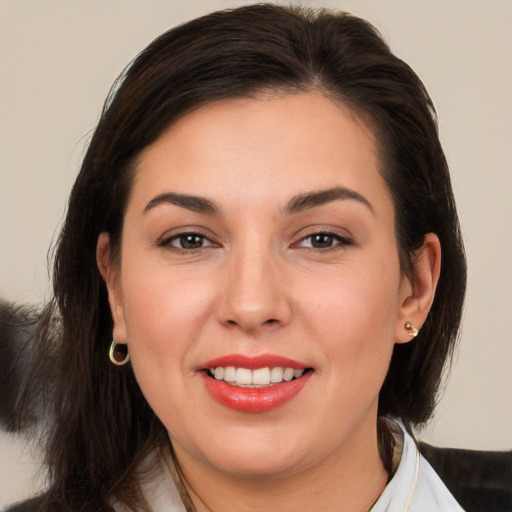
<point x="259" y="236"/>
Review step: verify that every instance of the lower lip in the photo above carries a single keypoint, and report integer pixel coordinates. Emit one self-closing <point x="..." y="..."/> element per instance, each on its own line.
<point x="254" y="399"/>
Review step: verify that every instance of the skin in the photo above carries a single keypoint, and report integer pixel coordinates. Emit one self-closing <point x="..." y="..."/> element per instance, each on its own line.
<point x="255" y="285"/>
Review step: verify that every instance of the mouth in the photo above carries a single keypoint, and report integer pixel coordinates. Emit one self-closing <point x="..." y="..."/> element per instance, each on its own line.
<point x="257" y="384"/>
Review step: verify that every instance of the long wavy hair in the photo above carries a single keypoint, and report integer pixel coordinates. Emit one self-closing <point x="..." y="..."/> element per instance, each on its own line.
<point x="100" y="425"/>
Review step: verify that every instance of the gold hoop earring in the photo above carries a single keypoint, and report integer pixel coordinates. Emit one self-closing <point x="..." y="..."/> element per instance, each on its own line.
<point x="118" y="353"/>
<point x="413" y="332"/>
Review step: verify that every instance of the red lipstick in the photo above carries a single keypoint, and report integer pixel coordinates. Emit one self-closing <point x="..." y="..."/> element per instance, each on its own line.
<point x="254" y="399"/>
<point x="253" y="363"/>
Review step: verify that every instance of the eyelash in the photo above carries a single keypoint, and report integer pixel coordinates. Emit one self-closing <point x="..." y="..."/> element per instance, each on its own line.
<point x="335" y="242"/>
<point x="180" y="238"/>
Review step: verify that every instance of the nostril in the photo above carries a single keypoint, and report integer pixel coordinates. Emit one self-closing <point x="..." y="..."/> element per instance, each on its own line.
<point x="269" y="323"/>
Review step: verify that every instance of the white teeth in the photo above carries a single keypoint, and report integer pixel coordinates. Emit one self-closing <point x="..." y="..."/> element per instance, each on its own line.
<point x="261" y="376"/>
<point x="230" y="374"/>
<point x="244" y="377"/>
<point x="276" y="374"/>
<point x="288" y="374"/>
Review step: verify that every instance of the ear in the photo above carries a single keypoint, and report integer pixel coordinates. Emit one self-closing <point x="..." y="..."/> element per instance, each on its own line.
<point x="111" y="275"/>
<point x="418" y="291"/>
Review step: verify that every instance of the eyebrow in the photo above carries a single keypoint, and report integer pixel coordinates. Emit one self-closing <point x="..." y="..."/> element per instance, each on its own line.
<point x="309" y="200"/>
<point x="296" y="204"/>
<point x="194" y="203"/>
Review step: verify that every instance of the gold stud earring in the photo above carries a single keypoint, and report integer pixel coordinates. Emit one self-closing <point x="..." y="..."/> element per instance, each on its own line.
<point x="413" y="332"/>
<point x="118" y="353"/>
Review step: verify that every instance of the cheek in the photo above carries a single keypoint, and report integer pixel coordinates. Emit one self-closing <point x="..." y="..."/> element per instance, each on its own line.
<point x="161" y="316"/>
<point x="354" y="300"/>
<point x="165" y="314"/>
<point x="352" y="314"/>
<point x="163" y="326"/>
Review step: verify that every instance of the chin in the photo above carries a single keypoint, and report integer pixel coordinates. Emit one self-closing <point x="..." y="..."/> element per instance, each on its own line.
<point x="258" y="466"/>
<point x="254" y="454"/>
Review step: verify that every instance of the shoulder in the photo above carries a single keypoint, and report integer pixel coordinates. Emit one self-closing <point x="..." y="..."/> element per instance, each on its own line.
<point x="479" y="480"/>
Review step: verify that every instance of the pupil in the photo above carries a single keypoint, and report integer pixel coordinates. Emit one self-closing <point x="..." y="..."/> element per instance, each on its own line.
<point x="191" y="241"/>
<point x="322" y="241"/>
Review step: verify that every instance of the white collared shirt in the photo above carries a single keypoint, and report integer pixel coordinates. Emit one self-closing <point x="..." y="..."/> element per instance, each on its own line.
<point x="415" y="487"/>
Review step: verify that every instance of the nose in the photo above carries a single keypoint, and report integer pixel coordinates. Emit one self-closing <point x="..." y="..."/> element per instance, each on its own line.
<point x="254" y="296"/>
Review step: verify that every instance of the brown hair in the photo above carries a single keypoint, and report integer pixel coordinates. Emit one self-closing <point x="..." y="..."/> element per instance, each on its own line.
<point x="102" y="425"/>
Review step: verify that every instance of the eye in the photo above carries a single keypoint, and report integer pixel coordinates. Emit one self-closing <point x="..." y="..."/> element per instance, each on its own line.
<point x="187" y="241"/>
<point x="323" y="241"/>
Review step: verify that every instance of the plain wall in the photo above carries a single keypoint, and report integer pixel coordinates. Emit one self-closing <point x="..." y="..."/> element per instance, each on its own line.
<point x="59" y="58"/>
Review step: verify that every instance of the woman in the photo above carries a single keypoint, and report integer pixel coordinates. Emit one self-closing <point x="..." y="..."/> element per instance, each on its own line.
<point x="263" y="241"/>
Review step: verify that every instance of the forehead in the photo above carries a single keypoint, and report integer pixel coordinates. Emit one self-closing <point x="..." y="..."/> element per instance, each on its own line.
<point x="271" y="146"/>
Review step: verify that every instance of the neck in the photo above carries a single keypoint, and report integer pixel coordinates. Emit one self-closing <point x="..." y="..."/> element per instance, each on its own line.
<point x="350" y="479"/>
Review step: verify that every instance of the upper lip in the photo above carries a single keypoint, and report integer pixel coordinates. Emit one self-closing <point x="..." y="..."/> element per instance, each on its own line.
<point x="253" y="362"/>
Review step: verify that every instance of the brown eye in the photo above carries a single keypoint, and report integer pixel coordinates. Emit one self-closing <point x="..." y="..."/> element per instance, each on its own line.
<point x="187" y="241"/>
<point x="321" y="241"/>
<point x="191" y="241"/>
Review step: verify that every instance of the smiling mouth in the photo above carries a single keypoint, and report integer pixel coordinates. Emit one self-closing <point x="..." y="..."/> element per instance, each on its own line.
<point x="254" y="384"/>
<point x="257" y="378"/>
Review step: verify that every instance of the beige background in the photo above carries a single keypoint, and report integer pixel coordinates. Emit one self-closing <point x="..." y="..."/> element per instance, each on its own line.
<point x="58" y="59"/>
